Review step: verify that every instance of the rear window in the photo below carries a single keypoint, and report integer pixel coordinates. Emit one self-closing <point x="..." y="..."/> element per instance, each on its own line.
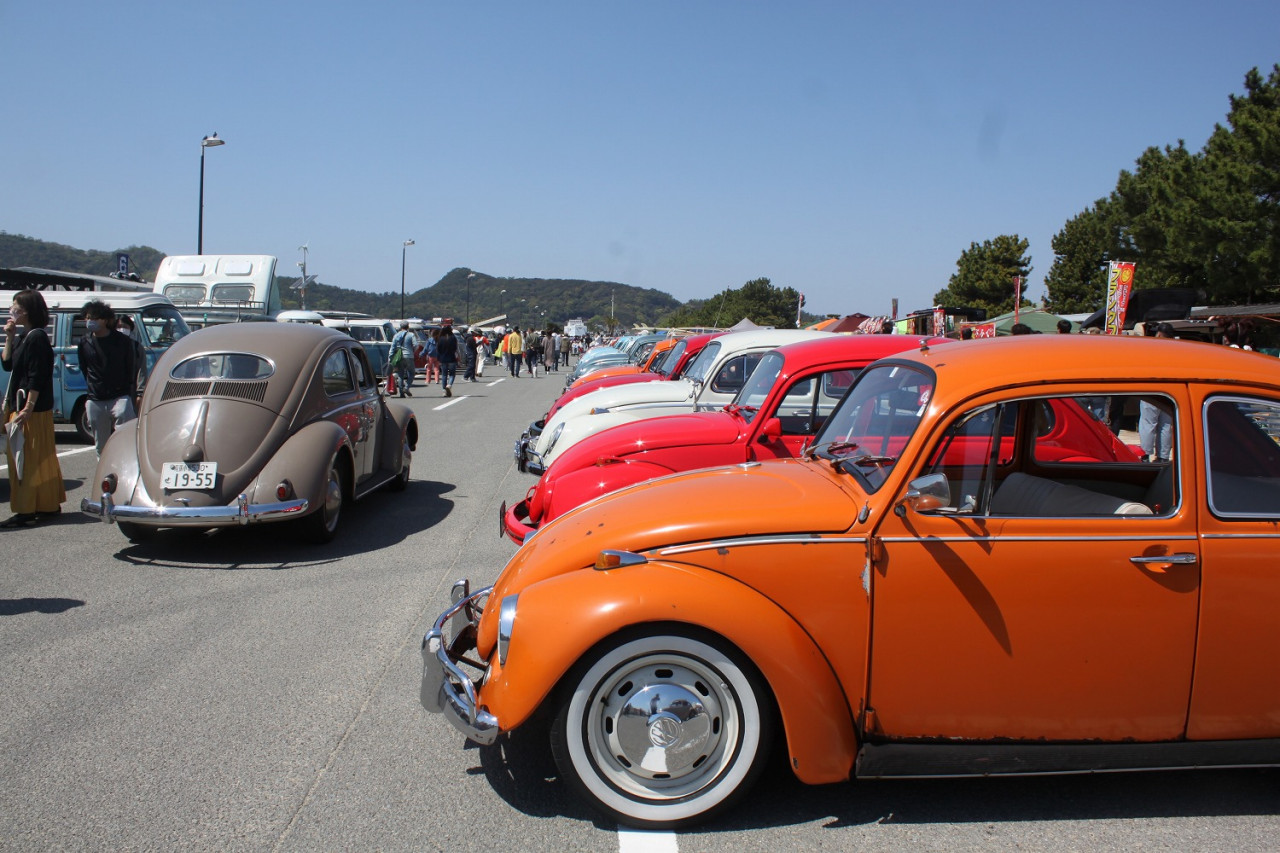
<point x="225" y="365"/>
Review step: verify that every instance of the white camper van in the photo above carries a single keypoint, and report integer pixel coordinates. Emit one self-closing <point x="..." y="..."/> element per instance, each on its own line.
<point x="210" y="289"/>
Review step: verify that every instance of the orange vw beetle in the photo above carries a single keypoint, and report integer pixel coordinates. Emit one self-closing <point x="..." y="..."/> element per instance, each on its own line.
<point x="937" y="587"/>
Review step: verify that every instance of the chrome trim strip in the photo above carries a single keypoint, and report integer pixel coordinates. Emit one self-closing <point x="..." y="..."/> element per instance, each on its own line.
<point x="1240" y="536"/>
<point x="782" y="539"/>
<point x="241" y="512"/>
<point x="1146" y="538"/>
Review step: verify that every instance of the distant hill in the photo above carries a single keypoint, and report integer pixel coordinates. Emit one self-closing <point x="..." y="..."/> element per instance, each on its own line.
<point x="526" y="301"/>
<point x="461" y="294"/>
<point x="19" y="251"/>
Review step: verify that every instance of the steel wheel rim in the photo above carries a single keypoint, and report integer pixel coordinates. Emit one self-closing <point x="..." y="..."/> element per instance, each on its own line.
<point x="673" y="751"/>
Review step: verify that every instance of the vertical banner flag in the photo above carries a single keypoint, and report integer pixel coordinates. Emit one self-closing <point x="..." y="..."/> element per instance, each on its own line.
<point x="122" y="264"/>
<point x="1119" y="286"/>
<point x="1017" y="296"/>
<point x="894" y="303"/>
<point x="939" y="321"/>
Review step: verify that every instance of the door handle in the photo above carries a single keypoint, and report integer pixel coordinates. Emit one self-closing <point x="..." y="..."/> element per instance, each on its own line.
<point x="1182" y="559"/>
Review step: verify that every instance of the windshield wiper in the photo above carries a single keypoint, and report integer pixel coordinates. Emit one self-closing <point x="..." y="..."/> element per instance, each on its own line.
<point x="830" y="447"/>
<point x="737" y="410"/>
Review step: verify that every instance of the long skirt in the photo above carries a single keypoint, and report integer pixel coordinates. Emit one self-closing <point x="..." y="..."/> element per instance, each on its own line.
<point x="40" y="489"/>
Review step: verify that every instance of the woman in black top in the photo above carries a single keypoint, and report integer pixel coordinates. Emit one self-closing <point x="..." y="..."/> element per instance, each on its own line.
<point x="29" y="403"/>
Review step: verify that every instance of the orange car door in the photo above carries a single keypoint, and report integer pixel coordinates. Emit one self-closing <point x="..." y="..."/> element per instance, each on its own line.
<point x="1237" y="692"/>
<point x="1024" y="626"/>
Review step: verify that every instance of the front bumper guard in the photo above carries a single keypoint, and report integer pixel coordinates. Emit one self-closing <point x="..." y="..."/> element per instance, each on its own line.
<point x="527" y="459"/>
<point x="446" y="688"/>
<point x="241" y="512"/>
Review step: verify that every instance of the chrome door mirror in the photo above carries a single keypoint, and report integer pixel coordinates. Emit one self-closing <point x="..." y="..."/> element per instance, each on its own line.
<point x="932" y="491"/>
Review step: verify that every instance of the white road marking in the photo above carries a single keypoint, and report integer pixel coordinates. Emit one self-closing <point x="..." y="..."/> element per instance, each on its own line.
<point x="641" y="841"/>
<point x="450" y="403"/>
<point x="77" y="450"/>
<point x="495" y="382"/>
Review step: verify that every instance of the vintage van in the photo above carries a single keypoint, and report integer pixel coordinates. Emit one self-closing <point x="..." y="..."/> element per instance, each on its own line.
<point x="213" y="289"/>
<point x="157" y="324"/>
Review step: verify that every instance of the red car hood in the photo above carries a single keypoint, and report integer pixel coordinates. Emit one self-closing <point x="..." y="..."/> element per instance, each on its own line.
<point x="683" y="430"/>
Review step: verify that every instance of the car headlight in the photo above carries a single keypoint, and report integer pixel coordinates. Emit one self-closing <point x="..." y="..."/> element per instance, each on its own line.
<point x="555" y="436"/>
<point x="506" y="621"/>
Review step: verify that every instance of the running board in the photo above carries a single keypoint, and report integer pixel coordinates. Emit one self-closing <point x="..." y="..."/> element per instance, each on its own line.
<point x="944" y="760"/>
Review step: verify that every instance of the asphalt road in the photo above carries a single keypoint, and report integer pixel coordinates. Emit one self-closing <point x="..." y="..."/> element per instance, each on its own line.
<point x="240" y="691"/>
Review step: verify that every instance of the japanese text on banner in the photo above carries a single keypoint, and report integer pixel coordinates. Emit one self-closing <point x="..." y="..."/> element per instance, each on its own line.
<point x="1119" y="286"/>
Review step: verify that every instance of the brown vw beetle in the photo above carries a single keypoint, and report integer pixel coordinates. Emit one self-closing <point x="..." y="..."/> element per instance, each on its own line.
<point x="254" y="422"/>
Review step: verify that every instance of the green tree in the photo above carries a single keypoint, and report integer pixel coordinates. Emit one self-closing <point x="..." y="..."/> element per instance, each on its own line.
<point x="757" y="300"/>
<point x="985" y="274"/>
<point x="1208" y="220"/>
<point x="1078" y="279"/>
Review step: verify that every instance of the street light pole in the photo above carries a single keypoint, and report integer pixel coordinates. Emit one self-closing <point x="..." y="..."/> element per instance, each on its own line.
<point x="502" y="309"/>
<point x="404" y="248"/>
<point x="211" y="141"/>
<point x="470" y="276"/>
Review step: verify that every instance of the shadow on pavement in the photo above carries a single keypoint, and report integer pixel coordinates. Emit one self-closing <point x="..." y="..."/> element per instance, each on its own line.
<point x="380" y="519"/>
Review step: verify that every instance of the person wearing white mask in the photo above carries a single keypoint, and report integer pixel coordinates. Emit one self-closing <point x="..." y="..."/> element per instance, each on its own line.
<point x="108" y="360"/>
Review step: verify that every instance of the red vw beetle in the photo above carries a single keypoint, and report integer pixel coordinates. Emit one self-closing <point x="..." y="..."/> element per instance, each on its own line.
<point x="784" y="402"/>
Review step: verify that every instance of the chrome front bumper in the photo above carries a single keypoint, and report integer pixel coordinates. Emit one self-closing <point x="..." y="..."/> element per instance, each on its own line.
<point x="446" y="688"/>
<point x="241" y="512"/>
<point x="527" y="459"/>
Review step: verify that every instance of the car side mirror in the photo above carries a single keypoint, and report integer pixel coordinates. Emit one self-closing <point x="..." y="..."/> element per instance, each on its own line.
<point x="771" y="430"/>
<point x="932" y="491"/>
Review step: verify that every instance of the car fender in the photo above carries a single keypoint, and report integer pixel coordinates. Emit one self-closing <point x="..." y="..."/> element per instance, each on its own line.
<point x="398" y="422"/>
<point x="303" y="460"/>
<point x="545" y="646"/>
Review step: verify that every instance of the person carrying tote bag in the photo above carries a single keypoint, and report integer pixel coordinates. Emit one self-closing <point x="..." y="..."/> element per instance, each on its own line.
<point x="35" y="489"/>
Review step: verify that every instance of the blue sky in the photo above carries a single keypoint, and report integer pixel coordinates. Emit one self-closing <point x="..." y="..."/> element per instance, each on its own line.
<point x="850" y="150"/>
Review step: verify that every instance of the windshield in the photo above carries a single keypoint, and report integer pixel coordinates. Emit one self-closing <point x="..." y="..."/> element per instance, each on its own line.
<point x="162" y="325"/>
<point x="668" y="362"/>
<point x="697" y="371"/>
<point x="758" y="385"/>
<point x="867" y="432"/>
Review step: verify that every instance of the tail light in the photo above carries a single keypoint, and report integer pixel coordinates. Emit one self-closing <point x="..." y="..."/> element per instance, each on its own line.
<point x="109" y="484"/>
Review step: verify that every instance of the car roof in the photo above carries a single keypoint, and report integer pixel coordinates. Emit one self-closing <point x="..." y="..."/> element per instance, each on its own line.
<point x="757" y="338"/>
<point x="872" y="347"/>
<point x="290" y="346"/>
<point x="971" y="367"/>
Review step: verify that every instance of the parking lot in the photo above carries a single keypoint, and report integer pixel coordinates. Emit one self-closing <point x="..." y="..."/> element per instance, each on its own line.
<point x="241" y="691"/>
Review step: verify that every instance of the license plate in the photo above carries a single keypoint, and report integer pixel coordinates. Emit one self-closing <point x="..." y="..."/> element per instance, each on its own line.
<point x="183" y="475"/>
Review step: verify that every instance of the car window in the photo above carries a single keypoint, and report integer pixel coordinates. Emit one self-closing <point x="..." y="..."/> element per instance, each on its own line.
<point x="733" y="374"/>
<point x="1076" y="465"/>
<point x="235" y="293"/>
<point x="1242" y="437"/>
<point x="181" y="293"/>
<point x="756" y="389"/>
<point x="874" y="421"/>
<point x="364" y="374"/>
<point x="223" y="366"/>
<point x="669" y="361"/>
<point x="337" y="374"/>
<point x="162" y="325"/>
<point x="702" y="362"/>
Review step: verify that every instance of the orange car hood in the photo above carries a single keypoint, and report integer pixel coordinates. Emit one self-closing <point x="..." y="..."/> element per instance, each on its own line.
<point x="713" y="503"/>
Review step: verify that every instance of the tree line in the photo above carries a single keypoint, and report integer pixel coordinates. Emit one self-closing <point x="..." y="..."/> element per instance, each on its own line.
<point x="1207" y="220"/>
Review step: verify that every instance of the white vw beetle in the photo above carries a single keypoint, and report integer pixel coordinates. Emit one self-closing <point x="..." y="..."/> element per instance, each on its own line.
<point x="710" y="383"/>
